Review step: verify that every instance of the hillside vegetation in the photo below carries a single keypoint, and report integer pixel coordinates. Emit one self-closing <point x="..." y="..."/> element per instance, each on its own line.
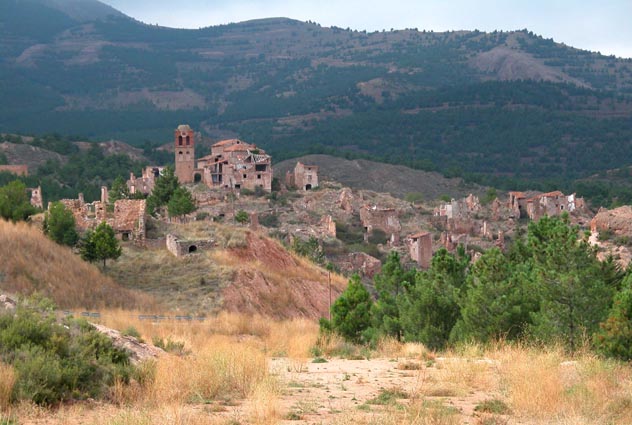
<point x="30" y="262"/>
<point x="246" y="272"/>
<point x="513" y="106"/>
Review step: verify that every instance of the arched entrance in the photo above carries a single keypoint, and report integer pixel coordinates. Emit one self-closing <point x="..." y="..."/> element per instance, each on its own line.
<point x="197" y="177"/>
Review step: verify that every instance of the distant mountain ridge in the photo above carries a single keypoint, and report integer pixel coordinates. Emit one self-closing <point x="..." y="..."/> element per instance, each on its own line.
<point x="501" y="105"/>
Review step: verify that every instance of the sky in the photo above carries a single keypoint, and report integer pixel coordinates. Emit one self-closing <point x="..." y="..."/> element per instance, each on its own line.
<point x="604" y="26"/>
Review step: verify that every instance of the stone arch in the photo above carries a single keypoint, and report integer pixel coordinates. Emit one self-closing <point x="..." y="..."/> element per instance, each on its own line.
<point x="192" y="249"/>
<point x="197" y="178"/>
<point x="180" y="140"/>
<point x="308" y="187"/>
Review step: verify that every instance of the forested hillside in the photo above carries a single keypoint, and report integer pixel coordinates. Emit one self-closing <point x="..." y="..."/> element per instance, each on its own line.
<point x="501" y="108"/>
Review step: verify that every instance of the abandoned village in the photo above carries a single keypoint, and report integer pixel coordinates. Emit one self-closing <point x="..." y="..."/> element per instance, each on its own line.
<point x="234" y="168"/>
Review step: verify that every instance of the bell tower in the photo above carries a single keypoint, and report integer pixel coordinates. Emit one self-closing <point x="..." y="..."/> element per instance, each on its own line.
<point x="185" y="153"/>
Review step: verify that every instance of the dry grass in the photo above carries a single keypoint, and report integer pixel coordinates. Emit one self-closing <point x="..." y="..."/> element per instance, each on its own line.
<point x="191" y="283"/>
<point x="543" y="383"/>
<point x="31" y="262"/>
<point x="7" y="381"/>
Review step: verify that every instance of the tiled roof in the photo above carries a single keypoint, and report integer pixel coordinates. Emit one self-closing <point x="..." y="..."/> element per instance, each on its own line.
<point x="418" y="235"/>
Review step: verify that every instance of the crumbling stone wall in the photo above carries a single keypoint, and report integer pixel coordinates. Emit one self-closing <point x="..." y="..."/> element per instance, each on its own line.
<point x="359" y="262"/>
<point x="180" y="247"/>
<point x="385" y="219"/>
<point x="304" y="177"/>
<point x="36" y="197"/>
<point x="420" y="248"/>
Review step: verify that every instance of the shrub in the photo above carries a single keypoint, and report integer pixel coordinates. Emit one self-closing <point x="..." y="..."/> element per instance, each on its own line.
<point x="241" y="217"/>
<point x="269" y="220"/>
<point x="377" y="237"/>
<point x="56" y="361"/>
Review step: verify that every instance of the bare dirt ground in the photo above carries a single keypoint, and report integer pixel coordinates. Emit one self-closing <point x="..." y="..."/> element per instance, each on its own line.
<point x="328" y="392"/>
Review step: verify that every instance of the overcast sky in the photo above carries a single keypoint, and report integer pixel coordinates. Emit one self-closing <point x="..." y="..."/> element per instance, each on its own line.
<point x="604" y="26"/>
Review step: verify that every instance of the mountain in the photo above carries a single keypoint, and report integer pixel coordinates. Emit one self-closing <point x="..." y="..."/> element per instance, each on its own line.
<point x="499" y="108"/>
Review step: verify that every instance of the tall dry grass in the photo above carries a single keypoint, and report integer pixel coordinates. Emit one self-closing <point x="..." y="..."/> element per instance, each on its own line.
<point x="7" y="381"/>
<point x="543" y="383"/>
<point x="31" y="262"/>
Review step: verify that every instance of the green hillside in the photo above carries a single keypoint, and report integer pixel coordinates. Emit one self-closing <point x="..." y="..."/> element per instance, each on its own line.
<point x="499" y="108"/>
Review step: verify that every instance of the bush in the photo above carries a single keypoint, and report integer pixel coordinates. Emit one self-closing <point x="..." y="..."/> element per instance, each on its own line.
<point x="57" y="361"/>
<point x="241" y="217"/>
<point x="377" y="237"/>
<point x="269" y="220"/>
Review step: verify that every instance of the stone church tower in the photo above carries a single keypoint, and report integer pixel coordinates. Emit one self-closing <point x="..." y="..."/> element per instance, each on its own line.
<point x="185" y="153"/>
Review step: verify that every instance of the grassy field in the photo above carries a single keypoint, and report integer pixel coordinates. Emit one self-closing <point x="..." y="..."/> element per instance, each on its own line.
<point x="30" y="262"/>
<point x="242" y="369"/>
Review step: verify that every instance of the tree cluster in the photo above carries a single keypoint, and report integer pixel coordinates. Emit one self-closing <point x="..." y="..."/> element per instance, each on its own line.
<point x="549" y="287"/>
<point x="168" y="193"/>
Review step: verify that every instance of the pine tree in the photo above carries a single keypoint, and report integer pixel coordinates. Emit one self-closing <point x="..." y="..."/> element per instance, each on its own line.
<point x="14" y="202"/>
<point x="615" y="337"/>
<point x="429" y="310"/>
<point x="498" y="300"/>
<point x="351" y="312"/>
<point x="119" y="190"/>
<point x="181" y="203"/>
<point x="390" y="284"/>
<point x="163" y="190"/>
<point x="100" y="245"/>
<point x="574" y="294"/>
<point x="60" y="226"/>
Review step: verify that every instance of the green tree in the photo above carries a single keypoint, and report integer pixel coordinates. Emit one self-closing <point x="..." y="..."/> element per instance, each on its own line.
<point x="119" y="190"/>
<point x="163" y="190"/>
<point x="615" y="336"/>
<point x="574" y="294"/>
<point x="181" y="203"/>
<point x="100" y="245"/>
<point x="241" y="217"/>
<point x="429" y="310"/>
<point x="498" y="300"/>
<point x="390" y="284"/>
<point x="14" y="202"/>
<point x="60" y="226"/>
<point x="351" y="312"/>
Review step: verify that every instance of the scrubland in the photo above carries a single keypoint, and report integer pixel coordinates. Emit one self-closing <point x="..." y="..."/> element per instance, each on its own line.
<point x="239" y="369"/>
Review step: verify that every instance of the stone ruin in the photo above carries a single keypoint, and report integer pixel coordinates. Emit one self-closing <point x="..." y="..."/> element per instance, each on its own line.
<point x="549" y="204"/>
<point x="181" y="247"/>
<point x="420" y="248"/>
<point x="127" y="218"/>
<point x="36" y="197"/>
<point x="346" y="200"/>
<point x="146" y="182"/>
<point x="304" y="177"/>
<point x="385" y="219"/>
<point x="364" y="264"/>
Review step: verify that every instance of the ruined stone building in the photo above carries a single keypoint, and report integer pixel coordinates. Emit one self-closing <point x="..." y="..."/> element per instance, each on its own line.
<point x="19" y="170"/>
<point x="146" y="182"/>
<point x="304" y="177"/>
<point x="420" y="248"/>
<point x="549" y="204"/>
<point x="36" y="197"/>
<point x="127" y="218"/>
<point x="235" y="164"/>
<point x="385" y="219"/>
<point x="460" y="208"/>
<point x="232" y="164"/>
